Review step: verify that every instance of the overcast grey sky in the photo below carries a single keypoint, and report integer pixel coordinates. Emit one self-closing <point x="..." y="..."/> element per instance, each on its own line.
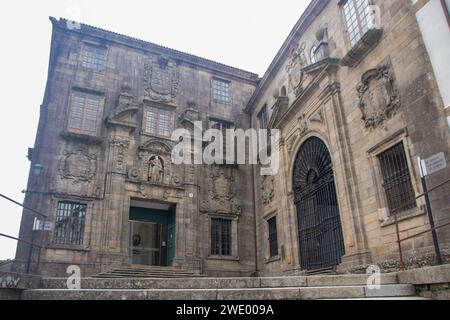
<point x="242" y="33"/>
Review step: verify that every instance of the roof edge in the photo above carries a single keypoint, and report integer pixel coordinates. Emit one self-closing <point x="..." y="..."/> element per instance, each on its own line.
<point x="302" y="24"/>
<point x="136" y="43"/>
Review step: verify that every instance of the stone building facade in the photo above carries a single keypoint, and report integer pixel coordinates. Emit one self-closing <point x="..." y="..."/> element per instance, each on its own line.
<point x="356" y="98"/>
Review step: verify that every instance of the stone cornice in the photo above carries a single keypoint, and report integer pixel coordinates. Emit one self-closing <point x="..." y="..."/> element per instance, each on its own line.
<point x="311" y="12"/>
<point x="62" y="24"/>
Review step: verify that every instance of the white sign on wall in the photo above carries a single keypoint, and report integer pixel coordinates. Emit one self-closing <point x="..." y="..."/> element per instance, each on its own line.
<point x="433" y="164"/>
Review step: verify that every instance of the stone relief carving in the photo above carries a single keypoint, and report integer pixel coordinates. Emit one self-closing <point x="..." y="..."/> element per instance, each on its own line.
<point x="118" y="148"/>
<point x="267" y="189"/>
<point x="378" y="96"/>
<point x="190" y="115"/>
<point x="297" y="60"/>
<point x="156" y="170"/>
<point x="153" y="165"/>
<point x="125" y="111"/>
<point x="221" y="197"/>
<point x="303" y="125"/>
<point x="78" y="166"/>
<point x="161" y="79"/>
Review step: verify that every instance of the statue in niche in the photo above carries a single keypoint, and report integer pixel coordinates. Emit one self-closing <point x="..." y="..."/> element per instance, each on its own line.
<point x="156" y="170"/>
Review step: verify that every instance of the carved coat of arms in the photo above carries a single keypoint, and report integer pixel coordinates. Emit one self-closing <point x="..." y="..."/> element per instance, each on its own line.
<point x="297" y="60"/>
<point x="161" y="79"/>
<point x="78" y="166"/>
<point x="222" y="193"/>
<point x="378" y="96"/>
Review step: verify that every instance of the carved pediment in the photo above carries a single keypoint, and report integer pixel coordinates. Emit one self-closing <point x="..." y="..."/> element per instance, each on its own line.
<point x="157" y="146"/>
<point x="378" y="96"/>
<point x="125" y="112"/>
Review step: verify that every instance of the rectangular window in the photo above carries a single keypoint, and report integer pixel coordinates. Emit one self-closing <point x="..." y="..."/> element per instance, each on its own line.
<point x="84" y="112"/>
<point x="93" y="57"/>
<point x="158" y="121"/>
<point x="357" y="17"/>
<point x="273" y="237"/>
<point x="221" y="91"/>
<point x="223" y="126"/>
<point x="69" y="223"/>
<point x="221" y="237"/>
<point x="263" y="118"/>
<point x="397" y="180"/>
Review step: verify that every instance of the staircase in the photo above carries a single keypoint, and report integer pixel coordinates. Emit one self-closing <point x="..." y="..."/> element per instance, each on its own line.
<point x="135" y="271"/>
<point x="118" y="285"/>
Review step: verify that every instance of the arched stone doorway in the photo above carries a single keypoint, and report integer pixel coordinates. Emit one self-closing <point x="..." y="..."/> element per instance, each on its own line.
<point x="321" y="241"/>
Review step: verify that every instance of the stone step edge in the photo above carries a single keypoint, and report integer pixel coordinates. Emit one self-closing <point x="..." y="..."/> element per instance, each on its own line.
<point x="334" y="292"/>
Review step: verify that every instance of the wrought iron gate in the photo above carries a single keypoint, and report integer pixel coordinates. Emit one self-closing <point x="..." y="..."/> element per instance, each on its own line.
<point x="319" y="226"/>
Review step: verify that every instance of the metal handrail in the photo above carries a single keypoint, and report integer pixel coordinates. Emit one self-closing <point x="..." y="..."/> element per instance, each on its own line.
<point x="433" y="229"/>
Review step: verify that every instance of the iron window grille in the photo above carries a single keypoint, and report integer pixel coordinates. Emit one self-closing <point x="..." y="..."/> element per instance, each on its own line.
<point x="273" y="237"/>
<point x="158" y="121"/>
<point x="397" y="180"/>
<point x="84" y="112"/>
<point x="357" y="18"/>
<point x="221" y="91"/>
<point x="221" y="237"/>
<point x="69" y="224"/>
<point x="93" y="57"/>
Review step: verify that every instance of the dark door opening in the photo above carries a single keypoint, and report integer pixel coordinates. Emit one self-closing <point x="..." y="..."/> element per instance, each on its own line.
<point x="152" y="236"/>
<point x="320" y="234"/>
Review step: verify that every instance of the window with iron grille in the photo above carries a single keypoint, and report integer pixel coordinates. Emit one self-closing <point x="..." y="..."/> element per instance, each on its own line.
<point x="357" y="18"/>
<point x="221" y="237"/>
<point x="221" y="91"/>
<point x="273" y="237"/>
<point x="158" y="121"/>
<point x="397" y="180"/>
<point x="93" y="57"/>
<point x="84" y="112"/>
<point x="69" y="223"/>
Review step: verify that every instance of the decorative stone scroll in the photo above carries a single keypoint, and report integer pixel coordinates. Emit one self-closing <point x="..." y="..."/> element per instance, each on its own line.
<point x="378" y="96"/>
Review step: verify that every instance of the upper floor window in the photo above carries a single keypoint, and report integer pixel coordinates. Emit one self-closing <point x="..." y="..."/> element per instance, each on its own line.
<point x="93" y="57"/>
<point x="69" y="223"/>
<point x="263" y="118"/>
<point x="273" y="237"/>
<point x="84" y="111"/>
<point x="158" y="121"/>
<point x="221" y="91"/>
<point x="357" y="18"/>
<point x="221" y="237"/>
<point x="397" y="180"/>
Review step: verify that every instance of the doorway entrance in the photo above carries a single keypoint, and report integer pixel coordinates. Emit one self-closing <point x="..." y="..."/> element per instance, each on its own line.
<point x="152" y="234"/>
<point x="319" y="225"/>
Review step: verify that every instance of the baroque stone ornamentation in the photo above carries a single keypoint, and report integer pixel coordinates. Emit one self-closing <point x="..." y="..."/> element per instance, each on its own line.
<point x="124" y="114"/>
<point x="161" y="79"/>
<point x="78" y="166"/>
<point x="155" y="166"/>
<point x="267" y="189"/>
<point x="221" y="192"/>
<point x="297" y="60"/>
<point x="156" y="170"/>
<point x="118" y="148"/>
<point x="378" y="96"/>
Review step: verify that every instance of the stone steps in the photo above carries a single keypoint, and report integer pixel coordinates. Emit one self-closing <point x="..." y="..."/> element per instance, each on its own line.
<point x="145" y="272"/>
<point x="218" y="283"/>
<point x="285" y="293"/>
